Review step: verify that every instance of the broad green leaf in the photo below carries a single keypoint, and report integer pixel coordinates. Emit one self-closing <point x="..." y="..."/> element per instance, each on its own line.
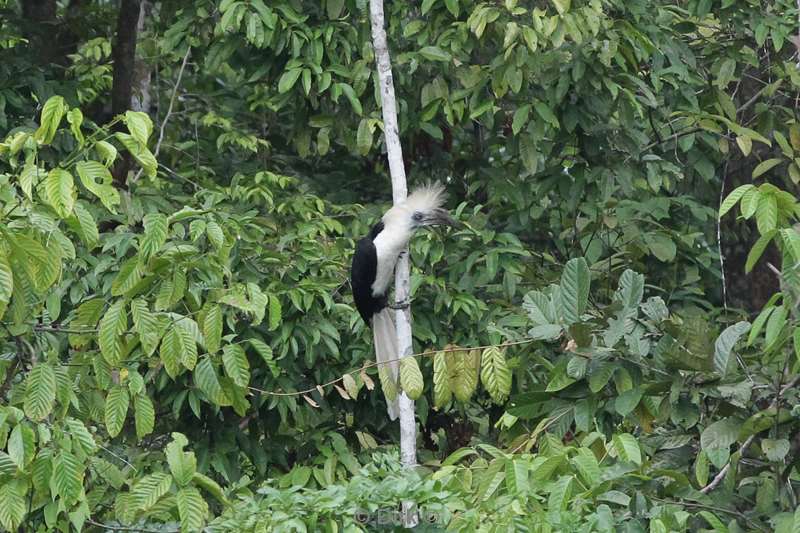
<point x="434" y="53"/>
<point x="40" y="391"/>
<point x="140" y="153"/>
<point x="144" y="415"/>
<point x="12" y="505"/>
<point x="116" y="410"/>
<point x="495" y="374"/>
<point x="81" y="435"/>
<point x="215" y="234"/>
<point x="562" y="6"/>
<point x="237" y="367"/>
<point x="112" y="326"/>
<point x="720" y="434"/>
<point x="766" y="165"/>
<point x="701" y="468"/>
<point x="207" y="380"/>
<point x="212" y="328"/>
<point x="411" y="379"/>
<point x="75" y="119"/>
<point x="155" y="235"/>
<point x="21" y="445"/>
<point x="150" y="489"/>
<point x="745" y="144"/>
<point x="6" y="281"/>
<point x="587" y="466"/>
<point x="97" y="179"/>
<point x="734" y="197"/>
<point x="334" y="8"/>
<point x="182" y="464"/>
<point x="146" y="324"/>
<point x="442" y="394"/>
<point x="627" y="448"/>
<point x="28" y="177"/>
<point x="288" y="80"/>
<point x="192" y="509"/>
<point x="725" y="343"/>
<point x="107" y="151"/>
<point x="275" y="315"/>
<point x="60" y="191"/>
<point x="575" y="281"/>
<point x="52" y="113"/>
<point x="68" y="475"/>
<point x="775" y="449"/>
<point x="139" y="125"/>
<point x="85" y="226"/>
<point x="210" y="486"/>
<point x="757" y="250"/>
<point x="130" y="274"/>
<point x="520" y="118"/>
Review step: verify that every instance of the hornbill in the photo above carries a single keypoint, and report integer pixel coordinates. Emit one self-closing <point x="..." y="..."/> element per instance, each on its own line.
<point x="373" y="267"/>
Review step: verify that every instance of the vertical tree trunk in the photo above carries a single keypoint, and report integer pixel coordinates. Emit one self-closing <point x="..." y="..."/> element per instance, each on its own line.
<point x="394" y="152"/>
<point x="141" y="96"/>
<point x="124" y="54"/>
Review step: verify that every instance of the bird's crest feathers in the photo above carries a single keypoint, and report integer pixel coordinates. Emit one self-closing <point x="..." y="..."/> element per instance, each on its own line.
<point x="426" y="198"/>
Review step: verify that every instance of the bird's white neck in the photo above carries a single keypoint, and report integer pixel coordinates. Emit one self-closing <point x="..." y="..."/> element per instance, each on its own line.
<point x="388" y="245"/>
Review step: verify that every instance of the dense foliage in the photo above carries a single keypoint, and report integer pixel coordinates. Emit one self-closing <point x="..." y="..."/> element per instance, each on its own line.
<point x="178" y="345"/>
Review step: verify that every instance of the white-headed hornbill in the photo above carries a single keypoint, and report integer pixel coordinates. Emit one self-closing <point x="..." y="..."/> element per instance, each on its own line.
<point x="373" y="267"/>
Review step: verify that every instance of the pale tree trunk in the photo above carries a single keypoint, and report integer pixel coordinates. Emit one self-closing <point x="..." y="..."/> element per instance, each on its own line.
<point x="141" y="96"/>
<point x="408" y="425"/>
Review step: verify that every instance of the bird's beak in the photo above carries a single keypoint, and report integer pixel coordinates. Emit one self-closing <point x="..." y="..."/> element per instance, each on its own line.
<point x="440" y="217"/>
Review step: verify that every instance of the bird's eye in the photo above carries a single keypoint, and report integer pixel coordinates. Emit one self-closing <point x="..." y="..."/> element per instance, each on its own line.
<point x="417" y="216"/>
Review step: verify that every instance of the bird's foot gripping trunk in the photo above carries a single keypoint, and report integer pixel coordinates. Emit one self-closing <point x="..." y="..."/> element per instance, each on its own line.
<point x="386" y="353"/>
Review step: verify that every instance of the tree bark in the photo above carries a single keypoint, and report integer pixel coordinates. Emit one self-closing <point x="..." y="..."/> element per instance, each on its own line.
<point x="124" y="54"/>
<point x="394" y="153"/>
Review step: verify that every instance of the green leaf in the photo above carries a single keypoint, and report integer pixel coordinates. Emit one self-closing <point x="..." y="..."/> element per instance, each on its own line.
<point x="172" y="351"/>
<point x="215" y="234"/>
<point x="520" y="118"/>
<point x="40" y="392"/>
<point x="544" y="111"/>
<point x="7" y="466"/>
<point x="745" y="144"/>
<point x="81" y="435"/>
<point x="701" y="468"/>
<point x="562" y="6"/>
<point x="155" y="235"/>
<point x="140" y="153"/>
<point x="442" y="394"/>
<point x="130" y="274"/>
<point x="30" y="175"/>
<point x="237" y="367"/>
<point x="265" y="351"/>
<point x="720" y="434"/>
<point x="147" y="326"/>
<point x="275" y="315"/>
<point x="766" y="165"/>
<point x="182" y="464"/>
<point x="734" y="197"/>
<point x="575" y="281"/>
<point x="212" y="328"/>
<point x="68" y="474"/>
<point x="350" y="93"/>
<point x="107" y="151"/>
<point x="192" y="509"/>
<point x="75" y="119"/>
<point x="364" y="136"/>
<point x="140" y="125"/>
<point x="113" y="324"/>
<point x="116" y="410"/>
<point x="86" y="225"/>
<point x="60" y="191"/>
<point x="767" y="213"/>
<point x="757" y="250"/>
<point x="434" y="53"/>
<point x="661" y="246"/>
<point x="775" y="449"/>
<point x="791" y="241"/>
<point x="288" y="80"/>
<point x="206" y="379"/>
<point x="631" y="289"/>
<point x="334" y="8"/>
<point x="725" y="343"/>
<point x="97" y="180"/>
<point x="411" y="378"/>
<point x="210" y="486"/>
<point x="495" y="374"/>
<point x="588" y="467"/>
<point x="12" y="505"/>
<point x="21" y="445"/>
<point x="52" y="113"/>
<point x="149" y="490"/>
<point x="145" y="415"/>
<point x="627" y="448"/>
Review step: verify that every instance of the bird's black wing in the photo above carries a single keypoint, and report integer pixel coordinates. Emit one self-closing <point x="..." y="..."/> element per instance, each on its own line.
<point x="362" y="275"/>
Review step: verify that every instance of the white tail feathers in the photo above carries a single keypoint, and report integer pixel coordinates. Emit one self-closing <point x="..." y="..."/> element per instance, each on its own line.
<point x="385" y="338"/>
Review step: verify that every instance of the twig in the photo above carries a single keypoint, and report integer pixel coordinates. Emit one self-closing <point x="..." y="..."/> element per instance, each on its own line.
<point x="169" y="110"/>
<point x="117" y="456"/>
<point x="371" y="364"/>
<point x="131" y="528"/>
